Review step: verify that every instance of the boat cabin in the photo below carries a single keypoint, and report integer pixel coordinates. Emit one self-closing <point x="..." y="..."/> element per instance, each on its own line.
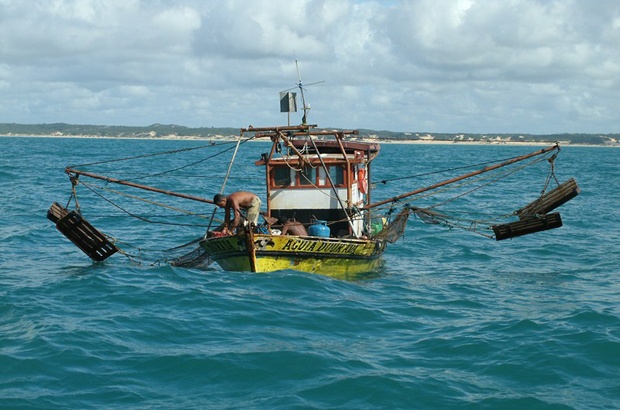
<point x="319" y="176"/>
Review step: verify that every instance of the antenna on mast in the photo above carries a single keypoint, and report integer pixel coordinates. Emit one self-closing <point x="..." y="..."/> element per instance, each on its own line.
<point x="288" y="102"/>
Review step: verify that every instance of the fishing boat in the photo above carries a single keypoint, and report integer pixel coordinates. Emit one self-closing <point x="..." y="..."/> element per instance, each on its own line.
<point x="322" y="179"/>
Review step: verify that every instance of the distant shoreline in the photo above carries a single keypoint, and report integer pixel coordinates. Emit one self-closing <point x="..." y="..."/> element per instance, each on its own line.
<point x="378" y="140"/>
<point x="212" y="133"/>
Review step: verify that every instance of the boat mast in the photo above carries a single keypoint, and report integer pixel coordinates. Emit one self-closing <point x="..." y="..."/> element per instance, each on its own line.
<point x="304" y="119"/>
<point x="300" y="85"/>
<point x="303" y="99"/>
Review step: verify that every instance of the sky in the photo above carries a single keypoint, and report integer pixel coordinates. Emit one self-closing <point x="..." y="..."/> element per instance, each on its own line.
<point x="453" y="66"/>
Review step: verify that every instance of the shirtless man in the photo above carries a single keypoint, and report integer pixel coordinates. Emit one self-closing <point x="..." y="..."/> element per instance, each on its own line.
<point x="237" y="201"/>
<point x="292" y="227"/>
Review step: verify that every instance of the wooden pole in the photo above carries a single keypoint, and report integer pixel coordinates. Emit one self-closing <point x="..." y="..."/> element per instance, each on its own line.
<point x="460" y="178"/>
<point x="134" y="185"/>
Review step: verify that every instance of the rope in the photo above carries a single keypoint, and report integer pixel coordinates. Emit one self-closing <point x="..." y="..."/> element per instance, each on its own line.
<point x="230" y="164"/>
<point x="474" y="225"/>
<point x="191" y="164"/>
<point x="148" y="201"/>
<point x="385" y="181"/>
<point x="145" y="155"/>
<point x="550" y="175"/>
<point x="484" y="177"/>
<point x="142" y="218"/>
<point x="471" y="181"/>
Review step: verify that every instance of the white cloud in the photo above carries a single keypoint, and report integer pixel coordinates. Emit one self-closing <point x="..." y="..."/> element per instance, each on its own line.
<point x="532" y="66"/>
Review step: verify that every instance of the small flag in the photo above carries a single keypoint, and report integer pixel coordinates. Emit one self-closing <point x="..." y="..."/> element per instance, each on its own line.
<point x="288" y="101"/>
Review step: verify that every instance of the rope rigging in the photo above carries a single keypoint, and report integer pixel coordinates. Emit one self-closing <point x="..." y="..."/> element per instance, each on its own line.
<point x="472" y="220"/>
<point x="193" y="163"/>
<point x="139" y="253"/>
<point x="151" y="155"/>
<point x="442" y="171"/>
<point x="441" y="203"/>
<point x="171" y="152"/>
<point x="75" y="180"/>
<point x="140" y="217"/>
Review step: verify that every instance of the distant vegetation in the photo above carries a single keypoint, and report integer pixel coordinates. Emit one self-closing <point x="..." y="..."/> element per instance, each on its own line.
<point x="163" y="130"/>
<point x="584" y="139"/>
<point x="155" y="130"/>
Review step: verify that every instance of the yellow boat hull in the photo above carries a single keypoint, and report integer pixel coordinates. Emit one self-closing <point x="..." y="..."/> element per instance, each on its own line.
<point x="335" y="257"/>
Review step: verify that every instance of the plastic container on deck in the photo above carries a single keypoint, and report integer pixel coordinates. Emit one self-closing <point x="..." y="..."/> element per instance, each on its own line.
<point x="377" y="225"/>
<point x="319" y="228"/>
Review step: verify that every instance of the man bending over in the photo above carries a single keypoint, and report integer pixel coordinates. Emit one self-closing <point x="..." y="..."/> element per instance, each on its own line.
<point x="237" y="201"/>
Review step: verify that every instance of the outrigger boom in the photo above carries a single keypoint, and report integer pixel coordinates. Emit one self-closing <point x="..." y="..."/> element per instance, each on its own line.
<point x="72" y="171"/>
<point x="465" y="176"/>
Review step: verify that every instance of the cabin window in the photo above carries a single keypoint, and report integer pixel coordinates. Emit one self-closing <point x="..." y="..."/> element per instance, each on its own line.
<point x="307" y="176"/>
<point x="336" y="172"/>
<point x="322" y="179"/>
<point x="281" y="176"/>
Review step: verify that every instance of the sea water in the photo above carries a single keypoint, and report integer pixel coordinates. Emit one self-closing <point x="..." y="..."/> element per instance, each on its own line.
<point x="451" y="320"/>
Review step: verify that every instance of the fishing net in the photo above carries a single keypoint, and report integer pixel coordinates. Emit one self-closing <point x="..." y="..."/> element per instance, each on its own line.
<point x="431" y="217"/>
<point x="189" y="255"/>
<point x="395" y="229"/>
